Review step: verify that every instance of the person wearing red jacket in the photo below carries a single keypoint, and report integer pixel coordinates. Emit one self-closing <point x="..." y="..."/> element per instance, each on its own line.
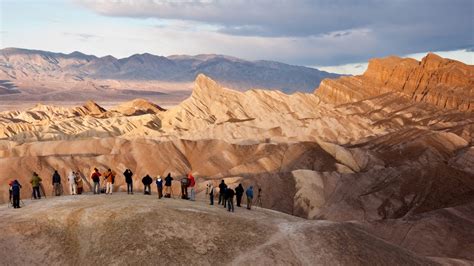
<point x="96" y="179"/>
<point x="192" y="183"/>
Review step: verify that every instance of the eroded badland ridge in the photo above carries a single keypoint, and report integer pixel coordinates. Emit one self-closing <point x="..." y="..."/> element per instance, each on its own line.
<point x="390" y="150"/>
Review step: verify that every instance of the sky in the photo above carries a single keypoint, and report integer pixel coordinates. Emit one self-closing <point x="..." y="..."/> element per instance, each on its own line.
<point x="333" y="35"/>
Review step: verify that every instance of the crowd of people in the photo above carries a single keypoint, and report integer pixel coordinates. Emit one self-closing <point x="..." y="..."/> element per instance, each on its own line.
<point x="75" y="183"/>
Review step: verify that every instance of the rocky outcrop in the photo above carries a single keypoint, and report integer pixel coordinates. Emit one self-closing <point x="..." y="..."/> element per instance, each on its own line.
<point x="446" y="83"/>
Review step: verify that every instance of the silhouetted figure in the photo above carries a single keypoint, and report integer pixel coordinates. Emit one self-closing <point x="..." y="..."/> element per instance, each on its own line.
<point x="16" y="187"/>
<point x="222" y="188"/>
<point x="239" y="192"/>
<point x="147" y="180"/>
<point x="230" y="199"/>
<point x="168" y="183"/>
<point x="128" y="179"/>
<point x="259" y="198"/>
<point x="56" y="180"/>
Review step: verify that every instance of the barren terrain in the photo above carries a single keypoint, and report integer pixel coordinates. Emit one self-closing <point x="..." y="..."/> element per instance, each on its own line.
<point x="385" y="155"/>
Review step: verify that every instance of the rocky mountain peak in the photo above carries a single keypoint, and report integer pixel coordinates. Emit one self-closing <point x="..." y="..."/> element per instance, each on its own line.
<point x="445" y="83"/>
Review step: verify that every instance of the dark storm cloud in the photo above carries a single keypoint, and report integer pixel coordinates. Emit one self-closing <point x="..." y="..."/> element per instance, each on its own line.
<point x="392" y="27"/>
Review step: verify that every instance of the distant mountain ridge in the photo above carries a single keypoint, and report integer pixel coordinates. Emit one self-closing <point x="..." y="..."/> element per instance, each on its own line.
<point x="19" y="64"/>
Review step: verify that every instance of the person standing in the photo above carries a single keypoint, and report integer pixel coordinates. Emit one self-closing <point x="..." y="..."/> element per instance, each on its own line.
<point x="56" y="183"/>
<point x="35" y="183"/>
<point x="147" y="180"/>
<point x="168" y="182"/>
<point x="79" y="183"/>
<point x="192" y="183"/>
<point x="184" y="187"/>
<point x="249" y="194"/>
<point x="71" y="178"/>
<point x="109" y="181"/>
<point x="159" y="186"/>
<point x="10" y="184"/>
<point x="210" y="192"/>
<point x="230" y="199"/>
<point x="96" y="179"/>
<point x="222" y="187"/>
<point x="128" y="179"/>
<point x="239" y="192"/>
<point x="16" y="187"/>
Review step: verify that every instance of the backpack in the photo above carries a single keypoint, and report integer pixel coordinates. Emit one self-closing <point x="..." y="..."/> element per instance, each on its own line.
<point x="185" y="181"/>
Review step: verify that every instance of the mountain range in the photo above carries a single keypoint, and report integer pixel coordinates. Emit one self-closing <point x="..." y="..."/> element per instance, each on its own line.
<point x="140" y="73"/>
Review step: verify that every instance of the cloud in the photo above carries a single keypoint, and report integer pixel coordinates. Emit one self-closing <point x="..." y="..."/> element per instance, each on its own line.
<point x="353" y="30"/>
<point x="81" y="36"/>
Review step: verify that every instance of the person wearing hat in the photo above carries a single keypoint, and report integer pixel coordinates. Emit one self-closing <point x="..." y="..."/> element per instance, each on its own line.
<point x="159" y="186"/>
<point x="95" y="176"/>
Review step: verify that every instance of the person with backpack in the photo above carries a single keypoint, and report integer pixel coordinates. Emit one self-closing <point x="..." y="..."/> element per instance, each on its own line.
<point x="230" y="199"/>
<point x="16" y="187"/>
<point x="109" y="181"/>
<point x="95" y="176"/>
<point x="56" y="183"/>
<point x="222" y="187"/>
<point x="35" y="183"/>
<point x="249" y="194"/>
<point x="79" y="183"/>
<point x="239" y="192"/>
<point x="128" y="179"/>
<point x="147" y="180"/>
<point x="184" y="187"/>
<point x="159" y="186"/>
<point x="71" y="178"/>
<point x="168" y="183"/>
<point x="192" y="183"/>
<point x="210" y="192"/>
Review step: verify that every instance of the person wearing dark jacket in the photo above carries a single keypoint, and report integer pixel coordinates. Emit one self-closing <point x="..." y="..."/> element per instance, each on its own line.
<point x="147" y="180"/>
<point x="16" y="187"/>
<point x="229" y="192"/>
<point x="239" y="192"/>
<point x="184" y="188"/>
<point x="159" y="186"/>
<point x="128" y="179"/>
<point x="56" y="183"/>
<point x="222" y="187"/>
<point x="168" y="182"/>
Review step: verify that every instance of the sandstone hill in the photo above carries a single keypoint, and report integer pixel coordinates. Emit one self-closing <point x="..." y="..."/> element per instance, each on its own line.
<point x="446" y="83"/>
<point x="123" y="229"/>
<point x="389" y="161"/>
